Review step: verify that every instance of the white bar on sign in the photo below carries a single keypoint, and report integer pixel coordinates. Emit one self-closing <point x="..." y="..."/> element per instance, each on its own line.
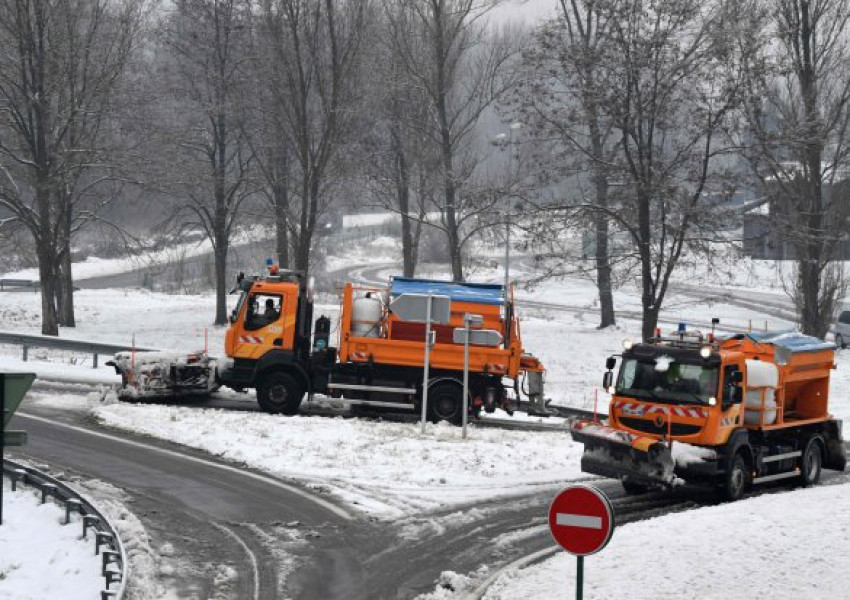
<point x="578" y="521"/>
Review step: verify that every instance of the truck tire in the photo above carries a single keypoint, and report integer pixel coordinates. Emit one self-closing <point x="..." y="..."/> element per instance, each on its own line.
<point x="280" y="393"/>
<point x="735" y="480"/>
<point x="811" y="462"/>
<point x="445" y="403"/>
<point x="839" y="341"/>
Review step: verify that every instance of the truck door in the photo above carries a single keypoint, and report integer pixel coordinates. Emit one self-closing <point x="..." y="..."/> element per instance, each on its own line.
<point x="263" y="325"/>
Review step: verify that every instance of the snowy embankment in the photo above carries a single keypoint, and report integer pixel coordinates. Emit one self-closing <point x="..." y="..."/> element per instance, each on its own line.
<point x="41" y="557"/>
<point x="94" y="266"/>
<point x="385" y="468"/>
<point x="791" y="544"/>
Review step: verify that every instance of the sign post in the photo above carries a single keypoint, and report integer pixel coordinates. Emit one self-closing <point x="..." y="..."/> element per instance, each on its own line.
<point x="581" y="520"/>
<point x="13" y="386"/>
<point x="428" y="309"/>
<point x="429" y="343"/>
<point x="468" y="321"/>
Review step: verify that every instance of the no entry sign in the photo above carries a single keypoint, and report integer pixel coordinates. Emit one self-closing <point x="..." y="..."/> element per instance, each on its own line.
<point x="581" y="520"/>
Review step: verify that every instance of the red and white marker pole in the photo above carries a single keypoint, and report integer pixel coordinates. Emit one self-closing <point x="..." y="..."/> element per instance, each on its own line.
<point x="581" y="520"/>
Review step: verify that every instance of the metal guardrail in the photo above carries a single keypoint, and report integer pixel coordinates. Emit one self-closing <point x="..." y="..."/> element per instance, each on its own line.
<point x="16" y="283"/>
<point x="105" y="534"/>
<point x="27" y="341"/>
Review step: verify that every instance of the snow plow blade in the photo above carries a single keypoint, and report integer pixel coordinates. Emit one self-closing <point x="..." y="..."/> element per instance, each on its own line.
<point x="621" y="455"/>
<point x="164" y="374"/>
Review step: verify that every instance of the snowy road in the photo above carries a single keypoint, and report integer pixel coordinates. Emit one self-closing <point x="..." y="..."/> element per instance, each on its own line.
<point x="210" y="516"/>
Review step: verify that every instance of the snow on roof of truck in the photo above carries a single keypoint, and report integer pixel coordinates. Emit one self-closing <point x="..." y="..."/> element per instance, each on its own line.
<point x="482" y="293"/>
<point x="792" y="341"/>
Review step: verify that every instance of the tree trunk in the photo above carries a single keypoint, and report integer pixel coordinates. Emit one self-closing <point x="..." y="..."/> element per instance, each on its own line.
<point x="65" y="279"/>
<point x="308" y="224"/>
<point x="403" y="198"/>
<point x="220" y="282"/>
<point x="47" y="279"/>
<point x="281" y="214"/>
<point x="603" y="273"/>
<point x="603" y="263"/>
<point x="452" y="232"/>
<point x="65" y="291"/>
<point x="810" y="250"/>
<point x="648" y="301"/>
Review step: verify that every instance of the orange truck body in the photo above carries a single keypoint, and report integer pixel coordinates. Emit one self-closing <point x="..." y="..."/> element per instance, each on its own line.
<point x="402" y="343"/>
<point x="757" y="400"/>
<point x="284" y="358"/>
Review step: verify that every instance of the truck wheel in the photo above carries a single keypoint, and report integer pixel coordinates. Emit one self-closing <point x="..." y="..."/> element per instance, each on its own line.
<point x="445" y="403"/>
<point x="839" y="341"/>
<point x="280" y="393"/>
<point x="736" y="480"/>
<point x="810" y="465"/>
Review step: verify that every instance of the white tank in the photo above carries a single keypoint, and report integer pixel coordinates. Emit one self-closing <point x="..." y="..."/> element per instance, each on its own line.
<point x="761" y="375"/>
<point x="753" y="400"/>
<point x="366" y="317"/>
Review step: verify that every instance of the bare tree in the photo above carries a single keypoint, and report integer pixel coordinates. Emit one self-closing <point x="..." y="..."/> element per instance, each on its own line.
<point x="798" y="142"/>
<point x="60" y="63"/>
<point x="447" y="52"/>
<point x="561" y="102"/>
<point x="315" y="47"/>
<point x="402" y="165"/>
<point x="672" y="78"/>
<point x="210" y="41"/>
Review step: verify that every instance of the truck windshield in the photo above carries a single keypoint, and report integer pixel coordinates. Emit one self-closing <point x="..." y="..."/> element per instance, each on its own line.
<point x="665" y="379"/>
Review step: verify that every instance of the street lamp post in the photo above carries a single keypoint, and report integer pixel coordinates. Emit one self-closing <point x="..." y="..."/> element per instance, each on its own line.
<point x="510" y="146"/>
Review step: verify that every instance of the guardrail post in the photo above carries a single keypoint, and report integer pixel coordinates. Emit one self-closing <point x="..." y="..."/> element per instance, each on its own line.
<point x="102" y="538"/>
<point x="94" y="362"/>
<point x="89" y="521"/>
<point x="107" y="558"/>
<point x="26" y="352"/>
<point x="47" y="489"/>
<point x="72" y="504"/>
<point x="16" y="475"/>
<point x="111" y="577"/>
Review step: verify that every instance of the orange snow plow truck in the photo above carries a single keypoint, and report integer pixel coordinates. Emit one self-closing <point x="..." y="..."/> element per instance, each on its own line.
<point x="274" y="346"/>
<point x="732" y="413"/>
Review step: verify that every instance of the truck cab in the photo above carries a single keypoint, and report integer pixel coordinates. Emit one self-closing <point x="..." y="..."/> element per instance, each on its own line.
<point x="268" y="341"/>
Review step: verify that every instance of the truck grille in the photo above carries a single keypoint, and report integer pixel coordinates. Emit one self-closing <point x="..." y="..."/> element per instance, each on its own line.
<point x="650" y="427"/>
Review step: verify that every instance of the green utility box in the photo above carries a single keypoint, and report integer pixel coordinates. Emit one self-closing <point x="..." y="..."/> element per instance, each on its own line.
<point x="13" y="387"/>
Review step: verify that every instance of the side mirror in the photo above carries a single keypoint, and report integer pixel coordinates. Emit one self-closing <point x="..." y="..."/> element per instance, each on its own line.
<point x="233" y="316"/>
<point x="610" y="362"/>
<point x="607" y="379"/>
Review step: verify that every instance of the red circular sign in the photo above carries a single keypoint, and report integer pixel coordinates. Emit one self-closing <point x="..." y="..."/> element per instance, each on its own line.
<point x="581" y="520"/>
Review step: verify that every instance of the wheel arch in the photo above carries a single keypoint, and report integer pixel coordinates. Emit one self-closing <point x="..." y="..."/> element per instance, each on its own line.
<point x="739" y="442"/>
<point x="295" y="370"/>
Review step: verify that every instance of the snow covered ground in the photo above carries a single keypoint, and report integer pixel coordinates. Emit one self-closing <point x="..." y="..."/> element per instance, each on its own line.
<point x="791" y="544"/>
<point x="41" y="557"/>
